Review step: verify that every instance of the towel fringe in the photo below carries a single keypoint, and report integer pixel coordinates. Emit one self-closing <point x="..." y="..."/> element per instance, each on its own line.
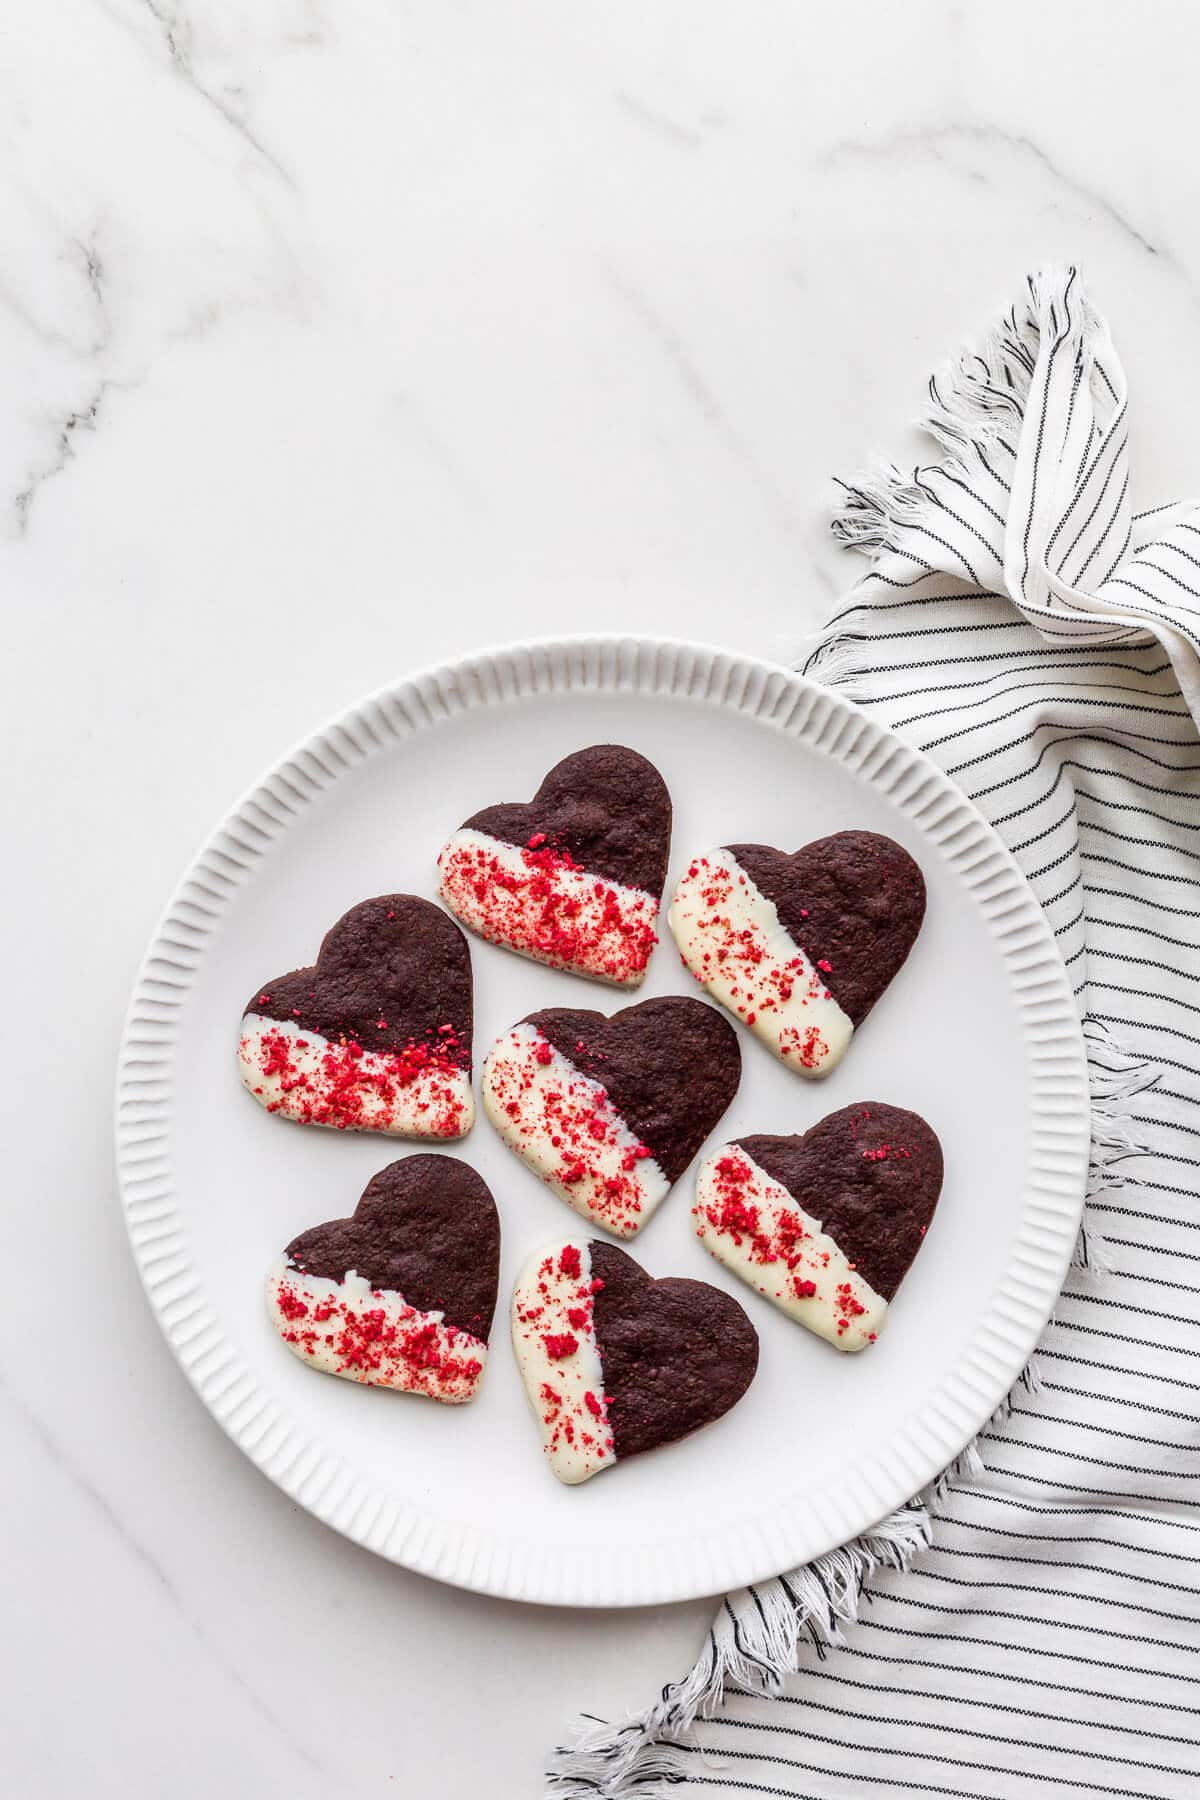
<point x="976" y="401"/>
<point x="752" y="1647"/>
<point x="845" y="660"/>
<point x="880" y="497"/>
<point x="974" y="411"/>
<point x="1115" y="1077"/>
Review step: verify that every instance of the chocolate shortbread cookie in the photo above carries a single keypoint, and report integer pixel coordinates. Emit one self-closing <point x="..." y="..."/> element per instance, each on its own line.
<point x="825" y="1224"/>
<point x="615" y="1362"/>
<point x="376" y="1036"/>
<point x="610" y="1111"/>
<point x="573" y="877"/>
<point x="800" y="947"/>
<point x="401" y="1294"/>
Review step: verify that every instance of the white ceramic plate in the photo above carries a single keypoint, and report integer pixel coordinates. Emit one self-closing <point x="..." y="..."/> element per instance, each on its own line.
<point x="979" y="1033"/>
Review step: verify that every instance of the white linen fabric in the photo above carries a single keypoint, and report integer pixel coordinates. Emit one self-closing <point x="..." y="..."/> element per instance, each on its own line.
<point x="1032" y="1624"/>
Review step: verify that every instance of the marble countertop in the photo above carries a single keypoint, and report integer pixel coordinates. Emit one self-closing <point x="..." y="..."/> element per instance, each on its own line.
<point x="339" y="338"/>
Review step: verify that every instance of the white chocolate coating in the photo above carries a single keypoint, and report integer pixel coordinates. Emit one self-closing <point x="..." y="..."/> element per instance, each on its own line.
<point x="533" y="900"/>
<point x="731" y="938"/>
<point x="372" y="1335"/>
<point x="564" y="1126"/>
<point x="754" y="1226"/>
<point x="306" y="1077"/>
<point x="554" y="1340"/>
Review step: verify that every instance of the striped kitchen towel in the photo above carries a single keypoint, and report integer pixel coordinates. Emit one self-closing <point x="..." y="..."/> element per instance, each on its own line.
<point x="1031" y="1625"/>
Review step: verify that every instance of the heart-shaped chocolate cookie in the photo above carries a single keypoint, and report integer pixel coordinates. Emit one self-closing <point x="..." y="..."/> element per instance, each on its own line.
<point x="376" y="1036"/>
<point x="800" y="947"/>
<point x="610" y="1111"/>
<point x="574" y="876"/>
<point x="825" y="1224"/>
<point x="401" y="1294"/>
<point x="615" y="1362"/>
